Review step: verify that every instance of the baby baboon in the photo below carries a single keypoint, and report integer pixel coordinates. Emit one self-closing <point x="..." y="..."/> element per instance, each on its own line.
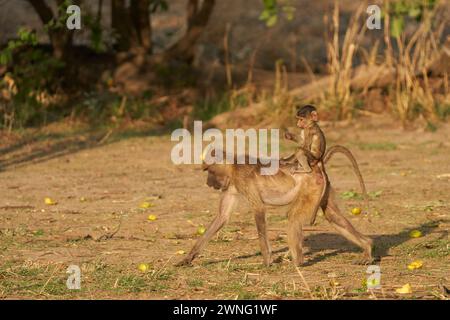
<point x="311" y="149"/>
<point x="300" y="191"/>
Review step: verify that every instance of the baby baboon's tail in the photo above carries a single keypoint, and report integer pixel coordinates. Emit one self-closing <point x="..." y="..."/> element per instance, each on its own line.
<point x="341" y="149"/>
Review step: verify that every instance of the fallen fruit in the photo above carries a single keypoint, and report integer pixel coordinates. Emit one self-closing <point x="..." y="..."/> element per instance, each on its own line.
<point x="356" y="211"/>
<point x="373" y="283"/>
<point x="144" y="267"/>
<point x="152" y="217"/>
<point x="334" y="283"/>
<point x="415" y="265"/>
<point x="49" y="202"/>
<point x="82" y="199"/>
<point x="405" y="289"/>
<point x="201" y="230"/>
<point x="146" y="205"/>
<point x="415" y="234"/>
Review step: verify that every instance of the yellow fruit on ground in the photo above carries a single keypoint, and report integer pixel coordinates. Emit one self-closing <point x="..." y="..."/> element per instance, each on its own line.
<point x="152" y="217"/>
<point x="356" y="211"/>
<point x="415" y="234"/>
<point x="372" y="283"/>
<point x="405" y="289"/>
<point x="334" y="283"/>
<point x="415" y="265"/>
<point x="146" y="205"/>
<point x="49" y="202"/>
<point x="201" y="230"/>
<point x="144" y="267"/>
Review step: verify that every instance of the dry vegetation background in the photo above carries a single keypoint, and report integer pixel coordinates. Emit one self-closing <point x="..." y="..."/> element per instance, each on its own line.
<point x="89" y="127"/>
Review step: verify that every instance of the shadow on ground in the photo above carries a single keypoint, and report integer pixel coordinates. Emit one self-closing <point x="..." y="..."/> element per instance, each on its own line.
<point x="338" y="244"/>
<point x="47" y="146"/>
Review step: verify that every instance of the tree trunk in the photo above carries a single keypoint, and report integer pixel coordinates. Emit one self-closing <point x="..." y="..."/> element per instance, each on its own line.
<point x="120" y="24"/>
<point x="197" y="21"/>
<point x="61" y="38"/>
<point x="132" y="25"/>
<point x="141" y="18"/>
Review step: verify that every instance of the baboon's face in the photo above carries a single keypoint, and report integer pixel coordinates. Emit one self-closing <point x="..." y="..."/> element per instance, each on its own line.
<point x="218" y="177"/>
<point x="302" y="122"/>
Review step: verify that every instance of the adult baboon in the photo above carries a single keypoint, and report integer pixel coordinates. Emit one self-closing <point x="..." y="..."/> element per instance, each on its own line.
<point x="301" y="192"/>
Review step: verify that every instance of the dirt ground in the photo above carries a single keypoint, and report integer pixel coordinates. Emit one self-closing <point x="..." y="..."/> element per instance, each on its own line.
<point x="99" y="182"/>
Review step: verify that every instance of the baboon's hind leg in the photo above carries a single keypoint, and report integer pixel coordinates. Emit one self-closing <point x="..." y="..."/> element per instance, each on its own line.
<point x="227" y="203"/>
<point x="295" y="239"/>
<point x="261" y="226"/>
<point x="346" y="229"/>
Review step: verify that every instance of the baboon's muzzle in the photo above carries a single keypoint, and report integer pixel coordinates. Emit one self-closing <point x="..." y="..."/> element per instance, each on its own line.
<point x="213" y="182"/>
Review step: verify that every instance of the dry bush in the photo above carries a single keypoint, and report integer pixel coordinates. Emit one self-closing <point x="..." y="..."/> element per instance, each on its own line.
<point x="412" y="94"/>
<point x="339" y="97"/>
<point x="399" y="80"/>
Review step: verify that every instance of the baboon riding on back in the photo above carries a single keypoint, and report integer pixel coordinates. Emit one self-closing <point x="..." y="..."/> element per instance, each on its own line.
<point x="301" y="184"/>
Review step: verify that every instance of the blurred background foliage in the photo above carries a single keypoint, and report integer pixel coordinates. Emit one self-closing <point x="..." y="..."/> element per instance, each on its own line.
<point x="126" y="69"/>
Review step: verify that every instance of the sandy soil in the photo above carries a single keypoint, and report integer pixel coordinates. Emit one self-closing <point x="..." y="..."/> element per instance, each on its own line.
<point x="100" y="182"/>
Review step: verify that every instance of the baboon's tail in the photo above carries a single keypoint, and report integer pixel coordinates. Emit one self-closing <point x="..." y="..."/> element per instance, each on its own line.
<point x="341" y="149"/>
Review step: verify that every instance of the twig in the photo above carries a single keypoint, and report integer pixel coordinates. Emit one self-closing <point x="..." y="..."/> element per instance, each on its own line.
<point x="51" y="276"/>
<point x="107" y="135"/>
<point x="304" y="282"/>
<point x="110" y="235"/>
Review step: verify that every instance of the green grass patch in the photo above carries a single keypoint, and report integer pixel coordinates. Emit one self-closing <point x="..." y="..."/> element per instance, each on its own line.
<point x="377" y="146"/>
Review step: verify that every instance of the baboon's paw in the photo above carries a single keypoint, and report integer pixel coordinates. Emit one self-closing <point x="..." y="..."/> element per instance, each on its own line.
<point x="267" y="263"/>
<point x="299" y="262"/>
<point x="364" y="261"/>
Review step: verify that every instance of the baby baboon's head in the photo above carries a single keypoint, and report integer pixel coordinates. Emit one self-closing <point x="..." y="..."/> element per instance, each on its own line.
<point x="306" y="115"/>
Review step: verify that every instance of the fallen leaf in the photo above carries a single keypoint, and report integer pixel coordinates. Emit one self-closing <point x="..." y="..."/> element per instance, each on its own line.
<point x="144" y="267"/>
<point x="201" y="230"/>
<point x="334" y="283"/>
<point x="415" y="234"/>
<point x="405" y="289"/>
<point x="152" y="217"/>
<point x="50" y="202"/>
<point x="146" y="205"/>
<point x="415" y="265"/>
<point x="191" y="223"/>
<point x="181" y="252"/>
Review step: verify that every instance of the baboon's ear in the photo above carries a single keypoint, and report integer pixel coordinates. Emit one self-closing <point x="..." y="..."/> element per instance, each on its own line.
<point x="314" y="116"/>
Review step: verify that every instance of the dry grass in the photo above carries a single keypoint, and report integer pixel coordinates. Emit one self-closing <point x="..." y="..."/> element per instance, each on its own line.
<point x="412" y="94"/>
<point x="341" y="61"/>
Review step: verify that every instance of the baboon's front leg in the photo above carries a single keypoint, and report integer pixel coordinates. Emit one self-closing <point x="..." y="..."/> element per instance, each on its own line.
<point x="227" y="203"/>
<point x="346" y="229"/>
<point x="261" y="226"/>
